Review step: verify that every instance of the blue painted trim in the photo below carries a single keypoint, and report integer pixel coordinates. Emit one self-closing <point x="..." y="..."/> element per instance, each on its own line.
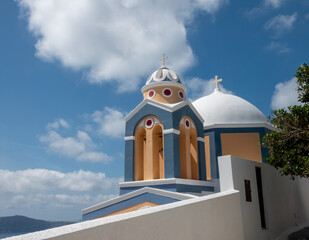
<point x="237" y="130"/>
<point x="171" y="187"/>
<point x="169" y="119"/>
<point x="171" y="156"/>
<point x="201" y="160"/>
<point x="265" y="150"/>
<point x="164" y="80"/>
<point x="145" y="197"/>
<point x="148" y="109"/>
<point x="214" y="169"/>
<point x="218" y="149"/>
<point x="129" y="161"/>
<point x="187" y="111"/>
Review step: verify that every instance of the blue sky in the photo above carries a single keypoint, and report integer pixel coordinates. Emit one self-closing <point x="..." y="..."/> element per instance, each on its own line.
<point x="71" y="70"/>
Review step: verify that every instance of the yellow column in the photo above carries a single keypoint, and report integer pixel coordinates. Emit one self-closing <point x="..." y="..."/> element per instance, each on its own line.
<point x="188" y="156"/>
<point x="148" y="164"/>
<point x="158" y="162"/>
<point x="194" y="158"/>
<point x="156" y="153"/>
<point x="207" y="157"/>
<point x="182" y="149"/>
<point x="161" y="158"/>
<point x="139" y="155"/>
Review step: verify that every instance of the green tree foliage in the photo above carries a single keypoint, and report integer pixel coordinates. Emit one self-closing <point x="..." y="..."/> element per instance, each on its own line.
<point x="302" y="76"/>
<point x="289" y="146"/>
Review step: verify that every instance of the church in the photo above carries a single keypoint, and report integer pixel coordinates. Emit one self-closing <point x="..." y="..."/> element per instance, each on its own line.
<point x="194" y="170"/>
<point x="172" y="145"/>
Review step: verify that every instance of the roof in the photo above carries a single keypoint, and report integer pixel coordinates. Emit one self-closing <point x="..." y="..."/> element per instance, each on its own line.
<point x="220" y="108"/>
<point x="167" y="107"/>
<point x="163" y="75"/>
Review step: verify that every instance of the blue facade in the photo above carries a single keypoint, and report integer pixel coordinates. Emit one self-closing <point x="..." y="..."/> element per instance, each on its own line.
<point x="170" y="120"/>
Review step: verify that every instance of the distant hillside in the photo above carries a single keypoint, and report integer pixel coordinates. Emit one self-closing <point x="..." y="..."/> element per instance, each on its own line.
<point x="21" y="224"/>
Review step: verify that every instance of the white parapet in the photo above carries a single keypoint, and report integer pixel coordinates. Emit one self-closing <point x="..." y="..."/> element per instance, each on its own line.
<point x="216" y="216"/>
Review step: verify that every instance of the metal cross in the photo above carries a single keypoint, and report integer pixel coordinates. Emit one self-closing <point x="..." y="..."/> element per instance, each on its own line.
<point x="217" y="81"/>
<point x="163" y="59"/>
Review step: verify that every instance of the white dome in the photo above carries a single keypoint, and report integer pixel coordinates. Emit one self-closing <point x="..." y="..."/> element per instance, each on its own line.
<point x="222" y="108"/>
<point x="163" y="75"/>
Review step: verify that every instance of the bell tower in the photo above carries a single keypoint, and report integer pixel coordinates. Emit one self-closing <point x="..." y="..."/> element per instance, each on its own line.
<point x="164" y="142"/>
<point x="164" y="150"/>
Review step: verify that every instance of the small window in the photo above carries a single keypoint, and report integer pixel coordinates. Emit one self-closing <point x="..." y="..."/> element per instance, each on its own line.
<point x="248" y="191"/>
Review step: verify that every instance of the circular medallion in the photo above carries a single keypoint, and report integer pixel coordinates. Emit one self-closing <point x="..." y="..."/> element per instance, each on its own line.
<point x="151" y="94"/>
<point x="167" y="92"/>
<point x="187" y="123"/>
<point x="149" y="123"/>
<point x="180" y="94"/>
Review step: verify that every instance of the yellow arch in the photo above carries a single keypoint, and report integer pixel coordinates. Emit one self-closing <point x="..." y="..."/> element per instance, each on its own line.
<point x="149" y="152"/>
<point x="188" y="149"/>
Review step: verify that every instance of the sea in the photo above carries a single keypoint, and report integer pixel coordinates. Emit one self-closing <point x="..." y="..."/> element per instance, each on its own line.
<point x="5" y="235"/>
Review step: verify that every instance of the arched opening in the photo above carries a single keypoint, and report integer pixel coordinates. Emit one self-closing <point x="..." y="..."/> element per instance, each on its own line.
<point x="149" y="153"/>
<point x="194" y="154"/>
<point x="140" y="150"/>
<point x="158" y="163"/>
<point x="188" y="149"/>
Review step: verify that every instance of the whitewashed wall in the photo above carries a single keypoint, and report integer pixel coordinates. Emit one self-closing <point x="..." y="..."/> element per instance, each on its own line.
<point x="224" y="215"/>
<point x="286" y="201"/>
<point x="216" y="216"/>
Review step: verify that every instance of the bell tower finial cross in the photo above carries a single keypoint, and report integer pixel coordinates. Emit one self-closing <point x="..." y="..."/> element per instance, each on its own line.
<point x="163" y="59"/>
<point x="216" y="81"/>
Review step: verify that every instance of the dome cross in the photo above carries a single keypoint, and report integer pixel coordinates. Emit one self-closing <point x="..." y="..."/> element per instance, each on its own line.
<point x="216" y="81"/>
<point x="163" y="59"/>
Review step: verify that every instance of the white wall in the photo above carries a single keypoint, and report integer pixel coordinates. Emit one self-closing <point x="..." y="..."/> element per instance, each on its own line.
<point x="286" y="201"/>
<point x="224" y="215"/>
<point x="216" y="216"/>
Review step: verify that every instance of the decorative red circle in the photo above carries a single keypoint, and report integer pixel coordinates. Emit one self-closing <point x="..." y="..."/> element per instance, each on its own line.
<point x="149" y="122"/>
<point x="151" y="94"/>
<point x="167" y="92"/>
<point x="187" y="123"/>
<point x="180" y="93"/>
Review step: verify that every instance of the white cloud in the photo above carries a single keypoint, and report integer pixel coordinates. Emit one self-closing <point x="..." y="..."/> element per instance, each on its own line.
<point x="58" y="123"/>
<point x="55" y="201"/>
<point x="209" y="6"/>
<point x="79" y="147"/>
<point x="110" y="122"/>
<point x="114" y="40"/>
<point x="274" y="3"/>
<point x="94" y="157"/>
<point x="198" y="87"/>
<point x="43" y="180"/>
<point x="69" y="146"/>
<point x="281" y="23"/>
<point x="285" y="94"/>
<point x="53" y="195"/>
<point x="263" y="8"/>
<point x="278" y="47"/>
